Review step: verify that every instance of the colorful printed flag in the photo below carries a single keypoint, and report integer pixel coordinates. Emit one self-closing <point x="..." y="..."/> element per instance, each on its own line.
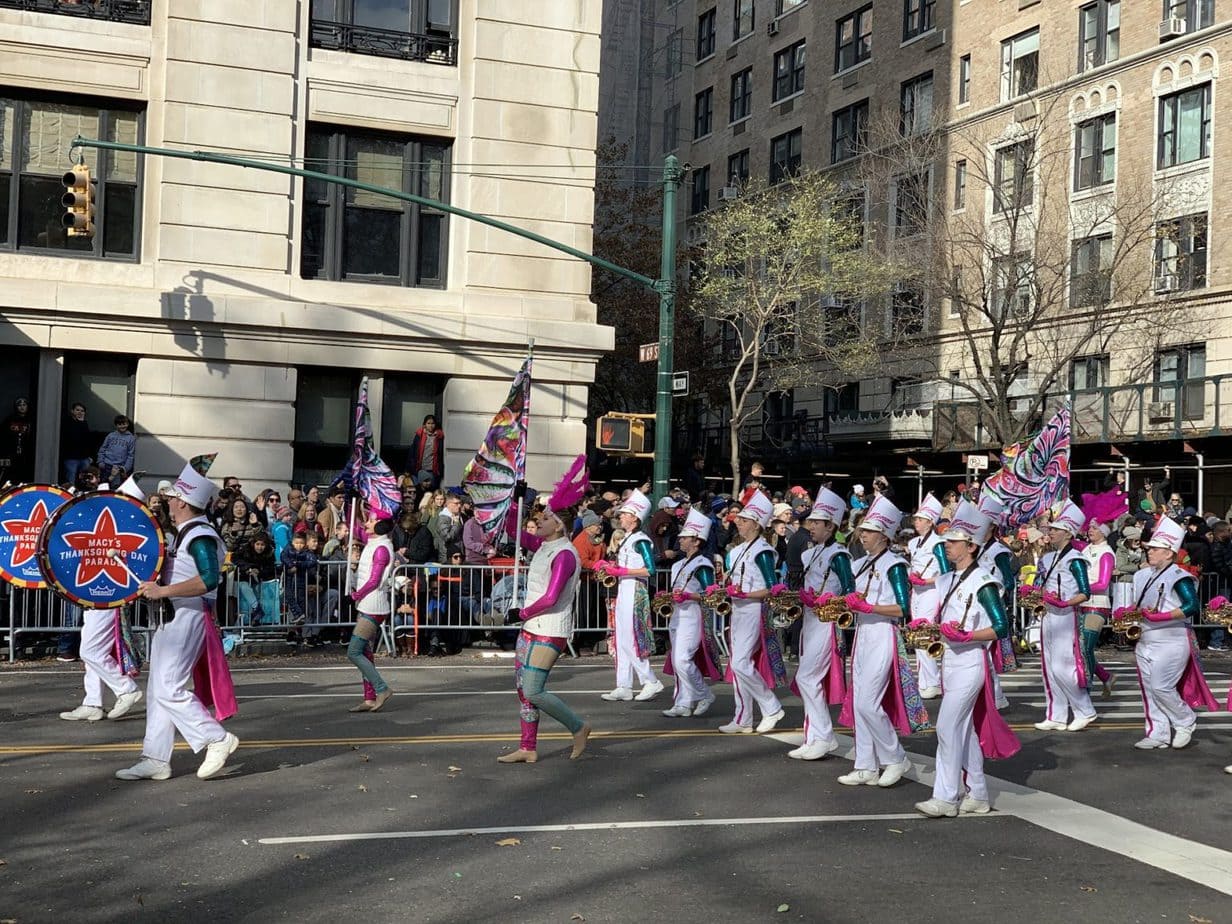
<point x="1034" y="475"/>
<point x="365" y="473"/>
<point x="500" y="463"/>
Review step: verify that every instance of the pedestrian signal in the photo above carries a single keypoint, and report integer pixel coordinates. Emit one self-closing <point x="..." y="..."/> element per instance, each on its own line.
<point x="620" y="434"/>
<point x="78" y="202"/>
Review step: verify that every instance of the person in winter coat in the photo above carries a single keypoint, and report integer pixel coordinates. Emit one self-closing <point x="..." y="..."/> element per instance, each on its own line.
<point x="117" y="455"/>
<point x="427" y="456"/>
<point x="240" y="525"/>
<point x="17" y="443"/>
<point x="280" y="529"/>
<point x="298" y="566"/>
<point x="257" y="580"/>
<point x="77" y="442"/>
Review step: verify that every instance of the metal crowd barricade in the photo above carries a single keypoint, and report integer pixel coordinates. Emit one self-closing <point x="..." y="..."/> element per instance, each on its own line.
<point x="44" y="612"/>
<point x="308" y="603"/>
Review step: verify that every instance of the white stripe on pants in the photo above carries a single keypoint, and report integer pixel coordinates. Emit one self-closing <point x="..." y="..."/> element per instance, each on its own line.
<point x="877" y="743"/>
<point x="685" y="630"/>
<point x="1162" y="655"/>
<point x="958" y="745"/>
<point x="627" y="661"/>
<point x="747" y="684"/>
<point x="924" y="606"/>
<point x="170" y="707"/>
<point x="816" y="651"/>
<point x="1058" y="633"/>
<point x="98" y="653"/>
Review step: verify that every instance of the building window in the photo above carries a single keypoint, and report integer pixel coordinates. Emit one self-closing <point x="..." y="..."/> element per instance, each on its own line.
<point x="788" y="71"/>
<point x="908" y="317"/>
<point x="919" y="16"/>
<point x="840" y="320"/>
<point x="1197" y="14"/>
<point x="700" y="199"/>
<point x="743" y="18"/>
<point x="1095" y="152"/>
<point x="1014" y="177"/>
<point x="1088" y="372"/>
<point x="1019" y="64"/>
<point x="705" y="34"/>
<point x="741" y="104"/>
<point x="786" y="6"/>
<point x="1179" y="375"/>
<point x="850" y="126"/>
<point x="352" y="234"/>
<point x="1185" y="126"/>
<point x="324" y="407"/>
<point x="35" y="136"/>
<point x="1099" y="33"/>
<point x="414" y="30"/>
<point x="1012" y="286"/>
<point x="671" y="127"/>
<point x="853" y="39"/>
<point x="738" y="169"/>
<point x="1090" y="282"/>
<point x="1180" y="254"/>
<point x="964" y="79"/>
<point x="911" y="204"/>
<point x="785" y="155"/>
<point x="675" y="53"/>
<point x="703" y="113"/>
<point x="915" y="110"/>
<point x="960" y="185"/>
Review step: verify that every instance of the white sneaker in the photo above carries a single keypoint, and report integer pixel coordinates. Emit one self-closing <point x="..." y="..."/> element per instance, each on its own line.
<point x="1049" y="725"/>
<point x="859" y="778"/>
<point x="972" y="806"/>
<point x="1108" y="685"/>
<point x="815" y="751"/>
<point x="1228" y="769"/>
<point x="678" y="712"/>
<point x="618" y="695"/>
<point x="124" y="702"/>
<point x="146" y="769"/>
<point x="768" y="722"/>
<point x="216" y="755"/>
<point x="1181" y="737"/>
<point x="1002" y="703"/>
<point x="1149" y="744"/>
<point x="704" y="706"/>
<point x="649" y="691"/>
<point x="930" y="692"/>
<point x="937" y="808"/>
<point x="83" y="714"/>
<point x="734" y="728"/>
<point x="1081" y="722"/>
<point x="893" y="773"/>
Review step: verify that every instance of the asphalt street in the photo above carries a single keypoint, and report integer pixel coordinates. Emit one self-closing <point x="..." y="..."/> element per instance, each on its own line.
<point x="405" y="815"/>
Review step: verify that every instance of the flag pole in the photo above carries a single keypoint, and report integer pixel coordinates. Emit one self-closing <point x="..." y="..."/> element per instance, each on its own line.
<point x="519" y="493"/>
<point x="350" y="538"/>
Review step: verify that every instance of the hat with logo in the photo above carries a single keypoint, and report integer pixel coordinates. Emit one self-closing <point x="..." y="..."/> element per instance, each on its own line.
<point x="1070" y="518"/>
<point x="193" y="487"/>
<point x="968" y="523"/>
<point x="828" y="506"/>
<point x="758" y="508"/>
<point x="930" y="509"/>
<point x="1168" y="534"/>
<point x="697" y="525"/>
<point x="882" y="516"/>
<point x="637" y="504"/>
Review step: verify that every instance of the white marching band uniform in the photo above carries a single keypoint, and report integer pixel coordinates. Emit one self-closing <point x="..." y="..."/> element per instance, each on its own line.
<point x="628" y="661"/>
<point x="925" y="554"/>
<point x="747" y="620"/>
<point x="687" y="625"/>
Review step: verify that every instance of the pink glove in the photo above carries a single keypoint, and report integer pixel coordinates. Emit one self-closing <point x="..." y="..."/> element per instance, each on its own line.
<point x="602" y="565"/>
<point x="808" y="598"/>
<point x="616" y="571"/>
<point x="1051" y="599"/>
<point x="734" y="592"/>
<point x="858" y="604"/>
<point x="951" y="631"/>
<point x="1119" y="613"/>
<point x="1157" y="617"/>
<point x="776" y="589"/>
<point x="1218" y="602"/>
<point x="917" y="580"/>
<point x="1025" y="590"/>
<point x="680" y="596"/>
<point x="823" y="598"/>
<point x="713" y="588"/>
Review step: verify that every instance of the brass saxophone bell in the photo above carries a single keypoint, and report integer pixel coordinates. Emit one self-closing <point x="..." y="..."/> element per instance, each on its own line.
<point x="607" y="580"/>
<point x="846" y="619"/>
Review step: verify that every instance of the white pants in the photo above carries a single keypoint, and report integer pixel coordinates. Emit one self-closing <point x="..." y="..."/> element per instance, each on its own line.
<point x="685" y="630"/>
<point x="1162" y="655"/>
<point x="170" y="707"/>
<point x="817" y="640"/>
<point x="747" y="684"/>
<point x="877" y="743"/>
<point x="924" y="606"/>
<point x="998" y="691"/>
<point x="958" y="745"/>
<point x="1057" y="642"/>
<point x="627" y="661"/>
<point x="98" y="653"/>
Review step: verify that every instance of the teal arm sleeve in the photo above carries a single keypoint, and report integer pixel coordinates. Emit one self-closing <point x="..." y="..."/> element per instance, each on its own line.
<point x="765" y="563"/>
<point x="704" y="575"/>
<point x="902" y="587"/>
<point x="841" y="566"/>
<point x="1078" y="568"/>
<point x="989" y="598"/>
<point x="943" y="563"/>
<point x="1187" y="590"/>
<point x="205" y="556"/>
<point x="646" y="550"/>
<point x="1006" y="567"/>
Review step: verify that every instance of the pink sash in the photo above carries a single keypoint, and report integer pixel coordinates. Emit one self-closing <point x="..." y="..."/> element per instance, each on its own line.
<point x="1193" y="687"/>
<point x="834" y="683"/>
<point x="997" y="739"/>
<point x="894" y="702"/>
<point x="211" y="676"/>
<point x="703" y="657"/>
<point x="761" y="663"/>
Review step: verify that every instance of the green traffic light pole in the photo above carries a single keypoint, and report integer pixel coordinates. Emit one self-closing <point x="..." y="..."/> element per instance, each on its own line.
<point x="665" y="285"/>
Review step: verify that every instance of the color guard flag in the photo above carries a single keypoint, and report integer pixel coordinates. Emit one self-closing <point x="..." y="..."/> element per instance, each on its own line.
<point x="500" y="463"/>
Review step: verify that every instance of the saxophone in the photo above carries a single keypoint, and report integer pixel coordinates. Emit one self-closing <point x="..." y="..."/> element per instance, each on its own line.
<point x="1129" y="625"/>
<point x="716" y="599"/>
<point x="1219" y="610"/>
<point x="927" y="638"/>
<point x="662" y="604"/>
<point x="785" y="608"/>
<point x="837" y="611"/>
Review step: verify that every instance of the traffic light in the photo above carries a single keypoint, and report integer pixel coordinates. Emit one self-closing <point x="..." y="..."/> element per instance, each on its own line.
<point x="620" y="434"/>
<point x="78" y="200"/>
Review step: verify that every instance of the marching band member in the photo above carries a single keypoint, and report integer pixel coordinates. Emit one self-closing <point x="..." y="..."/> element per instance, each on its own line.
<point x="693" y="658"/>
<point x="996" y="558"/>
<point x="927" y="560"/>
<point x="1101" y="564"/>
<point x="880" y="675"/>
<point x="756" y="663"/>
<point x="1063" y="581"/>
<point x="634" y="566"/>
<point x="819" y="678"/>
<point x="969" y="728"/>
<point x="187" y="646"/>
<point x="547" y="620"/>
<point x="1169" y="673"/>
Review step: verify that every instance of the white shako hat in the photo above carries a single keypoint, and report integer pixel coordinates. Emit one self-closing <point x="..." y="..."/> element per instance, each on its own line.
<point x="828" y="506"/>
<point x="1167" y="534"/>
<point x="697" y="525"/>
<point x="758" y="508"/>
<point x="969" y="523"/>
<point x="882" y="516"/>
<point x="193" y="487"/>
<point x="930" y="508"/>
<point x="132" y="489"/>
<point x="637" y="504"/>
<point x="990" y="505"/>
<point x="1071" y="519"/>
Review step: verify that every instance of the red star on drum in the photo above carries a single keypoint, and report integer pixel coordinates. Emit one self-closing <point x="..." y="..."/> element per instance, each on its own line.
<point x="26" y="532"/>
<point x="96" y="547"/>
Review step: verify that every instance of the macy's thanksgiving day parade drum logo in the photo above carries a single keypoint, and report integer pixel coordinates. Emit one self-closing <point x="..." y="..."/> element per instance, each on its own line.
<point x="98" y="548"/>
<point x="24" y="512"/>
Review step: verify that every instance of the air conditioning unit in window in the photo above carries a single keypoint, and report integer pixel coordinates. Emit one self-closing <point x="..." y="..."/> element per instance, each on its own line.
<point x="771" y="348"/>
<point x="728" y="192"/>
<point x="1169" y="282"/>
<point x="695" y="234"/>
<point x="772" y="27"/>
<point x="1172" y="27"/>
<point x="1160" y="410"/>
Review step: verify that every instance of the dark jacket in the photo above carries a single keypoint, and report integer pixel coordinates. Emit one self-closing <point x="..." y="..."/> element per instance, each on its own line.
<point x="1221" y="565"/>
<point x="247" y="559"/>
<point x="797" y="545"/>
<point x="77" y="441"/>
<point x="304" y="563"/>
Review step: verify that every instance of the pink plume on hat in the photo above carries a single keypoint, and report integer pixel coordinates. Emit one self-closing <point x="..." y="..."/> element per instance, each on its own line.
<point x="572" y="486"/>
